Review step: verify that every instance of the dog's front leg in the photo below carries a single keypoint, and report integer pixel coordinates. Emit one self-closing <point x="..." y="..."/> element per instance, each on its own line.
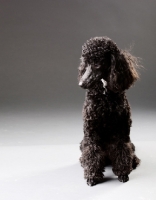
<point x="92" y="158"/>
<point x="122" y="160"/>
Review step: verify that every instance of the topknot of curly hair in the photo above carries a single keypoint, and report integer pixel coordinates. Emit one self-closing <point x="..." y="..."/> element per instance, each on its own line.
<point x="96" y="49"/>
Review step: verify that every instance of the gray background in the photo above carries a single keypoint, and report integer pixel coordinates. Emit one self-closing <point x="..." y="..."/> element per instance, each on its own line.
<point x="41" y="41"/>
<point x="41" y="45"/>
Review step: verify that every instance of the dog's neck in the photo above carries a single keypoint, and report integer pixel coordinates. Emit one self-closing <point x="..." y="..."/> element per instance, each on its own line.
<point x="101" y="88"/>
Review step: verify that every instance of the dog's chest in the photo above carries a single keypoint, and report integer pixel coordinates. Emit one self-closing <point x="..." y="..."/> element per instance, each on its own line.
<point x="105" y="106"/>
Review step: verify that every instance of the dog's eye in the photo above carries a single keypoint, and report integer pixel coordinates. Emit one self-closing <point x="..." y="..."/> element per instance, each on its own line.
<point x="96" y="66"/>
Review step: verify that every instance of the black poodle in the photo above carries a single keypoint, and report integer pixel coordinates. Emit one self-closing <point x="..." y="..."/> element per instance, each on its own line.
<point x="106" y="72"/>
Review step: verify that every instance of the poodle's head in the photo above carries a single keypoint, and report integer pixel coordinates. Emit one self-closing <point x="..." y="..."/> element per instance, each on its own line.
<point x="102" y="59"/>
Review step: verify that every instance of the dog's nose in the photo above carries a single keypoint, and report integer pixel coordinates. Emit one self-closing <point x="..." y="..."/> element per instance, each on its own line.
<point x="80" y="83"/>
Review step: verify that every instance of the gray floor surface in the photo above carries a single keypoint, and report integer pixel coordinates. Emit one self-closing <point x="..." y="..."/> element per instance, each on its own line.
<point x="39" y="154"/>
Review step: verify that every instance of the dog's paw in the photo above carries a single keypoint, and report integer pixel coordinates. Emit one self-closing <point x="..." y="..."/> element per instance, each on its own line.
<point x="123" y="178"/>
<point x="91" y="182"/>
<point x="94" y="181"/>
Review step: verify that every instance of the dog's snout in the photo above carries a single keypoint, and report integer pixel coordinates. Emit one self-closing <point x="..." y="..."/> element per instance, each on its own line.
<point x="80" y="83"/>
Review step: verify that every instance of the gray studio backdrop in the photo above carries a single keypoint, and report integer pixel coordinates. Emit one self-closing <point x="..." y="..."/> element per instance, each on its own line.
<point x="41" y="40"/>
<point x="41" y="45"/>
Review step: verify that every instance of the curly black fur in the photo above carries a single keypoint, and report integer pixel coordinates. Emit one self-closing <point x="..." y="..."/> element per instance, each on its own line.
<point x="106" y="111"/>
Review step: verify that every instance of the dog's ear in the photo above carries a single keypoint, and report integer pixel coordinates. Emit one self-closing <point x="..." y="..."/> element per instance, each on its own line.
<point x="123" y="72"/>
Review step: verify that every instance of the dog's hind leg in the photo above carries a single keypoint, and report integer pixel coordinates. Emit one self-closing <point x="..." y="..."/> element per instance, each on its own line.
<point x="136" y="162"/>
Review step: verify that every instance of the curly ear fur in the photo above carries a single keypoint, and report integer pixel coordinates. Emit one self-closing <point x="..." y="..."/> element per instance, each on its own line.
<point x="123" y="71"/>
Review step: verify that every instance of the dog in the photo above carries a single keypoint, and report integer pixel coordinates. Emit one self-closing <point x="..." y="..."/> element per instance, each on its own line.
<point x="106" y="72"/>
